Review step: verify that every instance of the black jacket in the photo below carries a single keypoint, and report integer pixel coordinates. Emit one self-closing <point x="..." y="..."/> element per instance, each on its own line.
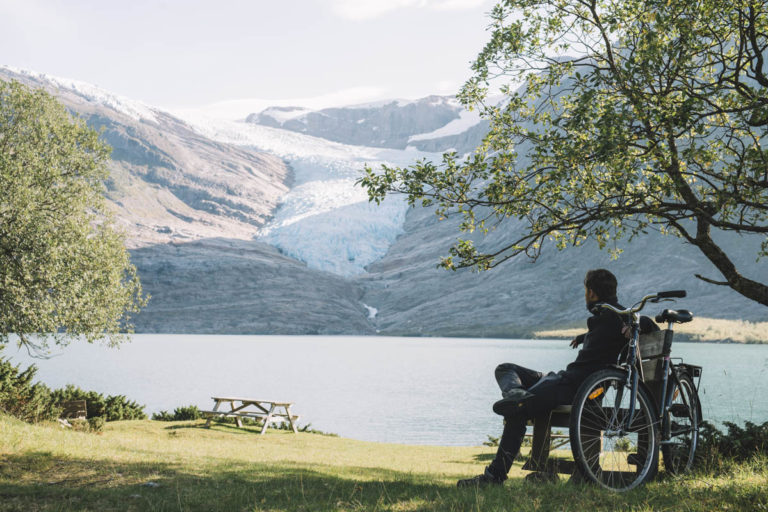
<point x="603" y="342"/>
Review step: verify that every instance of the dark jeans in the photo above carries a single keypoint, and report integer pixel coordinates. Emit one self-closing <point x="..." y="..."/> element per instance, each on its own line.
<point x="549" y="391"/>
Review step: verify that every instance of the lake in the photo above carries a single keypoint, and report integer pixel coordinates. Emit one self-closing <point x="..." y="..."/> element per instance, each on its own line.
<point x="405" y="390"/>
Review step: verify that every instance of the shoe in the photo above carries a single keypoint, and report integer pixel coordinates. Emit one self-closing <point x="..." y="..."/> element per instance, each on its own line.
<point x="513" y="400"/>
<point x="486" y="479"/>
<point x="516" y="394"/>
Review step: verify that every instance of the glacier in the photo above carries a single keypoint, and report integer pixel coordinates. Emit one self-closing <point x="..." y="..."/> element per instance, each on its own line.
<point x="324" y="220"/>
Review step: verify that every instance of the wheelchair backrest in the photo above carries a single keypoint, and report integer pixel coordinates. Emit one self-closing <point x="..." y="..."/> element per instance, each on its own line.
<point x="653" y="347"/>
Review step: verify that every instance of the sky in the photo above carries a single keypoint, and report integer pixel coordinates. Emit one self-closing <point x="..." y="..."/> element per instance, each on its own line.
<point x="180" y="54"/>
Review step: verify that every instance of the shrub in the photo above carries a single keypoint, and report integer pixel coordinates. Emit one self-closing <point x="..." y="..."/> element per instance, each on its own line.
<point x="738" y="443"/>
<point x="96" y="424"/>
<point x="21" y="398"/>
<point x="188" y="413"/>
<point x="30" y="402"/>
<point x="111" y="408"/>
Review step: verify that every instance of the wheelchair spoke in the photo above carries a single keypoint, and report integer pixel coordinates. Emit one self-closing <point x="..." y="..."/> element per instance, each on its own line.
<point x="680" y="426"/>
<point x="613" y="454"/>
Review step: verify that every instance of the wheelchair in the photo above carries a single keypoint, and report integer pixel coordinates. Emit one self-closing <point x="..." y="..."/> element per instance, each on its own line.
<point x="623" y="416"/>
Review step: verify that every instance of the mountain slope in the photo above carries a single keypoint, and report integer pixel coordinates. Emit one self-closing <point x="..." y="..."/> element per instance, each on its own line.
<point x="220" y="286"/>
<point x="167" y="182"/>
<point x="245" y="228"/>
<point x="191" y="207"/>
<point x="413" y="297"/>
<point x="434" y="123"/>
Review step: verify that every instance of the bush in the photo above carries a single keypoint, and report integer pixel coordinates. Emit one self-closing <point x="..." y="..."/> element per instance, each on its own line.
<point x="96" y="424"/>
<point x="111" y="408"/>
<point x="188" y="413"/>
<point x="32" y="403"/>
<point x="22" y="399"/>
<point x="737" y="444"/>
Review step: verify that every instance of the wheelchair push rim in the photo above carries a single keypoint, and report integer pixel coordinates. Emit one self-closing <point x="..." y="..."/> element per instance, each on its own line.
<point x="609" y="450"/>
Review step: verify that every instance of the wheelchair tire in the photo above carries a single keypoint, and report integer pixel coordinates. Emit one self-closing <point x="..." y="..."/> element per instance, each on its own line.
<point x="613" y="457"/>
<point x="680" y="426"/>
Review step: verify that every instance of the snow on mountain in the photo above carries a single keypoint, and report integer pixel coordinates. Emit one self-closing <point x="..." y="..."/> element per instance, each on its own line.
<point x="387" y="124"/>
<point x="465" y="121"/>
<point x="325" y="220"/>
<point x="283" y="114"/>
<point x="134" y="109"/>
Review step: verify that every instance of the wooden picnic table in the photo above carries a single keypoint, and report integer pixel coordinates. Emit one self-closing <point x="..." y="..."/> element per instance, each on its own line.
<point x="266" y="410"/>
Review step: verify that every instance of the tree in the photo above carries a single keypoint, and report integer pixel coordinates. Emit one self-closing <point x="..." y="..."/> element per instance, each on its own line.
<point x="630" y="115"/>
<point x="64" y="269"/>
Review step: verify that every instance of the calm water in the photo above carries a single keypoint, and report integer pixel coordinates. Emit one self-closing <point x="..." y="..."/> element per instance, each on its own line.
<point x="405" y="390"/>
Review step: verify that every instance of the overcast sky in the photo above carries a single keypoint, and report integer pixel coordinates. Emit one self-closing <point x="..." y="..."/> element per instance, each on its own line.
<point x="192" y="53"/>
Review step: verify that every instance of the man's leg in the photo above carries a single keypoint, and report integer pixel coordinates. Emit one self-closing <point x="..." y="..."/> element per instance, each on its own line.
<point x="509" y="446"/>
<point x="514" y="381"/>
<point x="546" y="394"/>
<point x="511" y="376"/>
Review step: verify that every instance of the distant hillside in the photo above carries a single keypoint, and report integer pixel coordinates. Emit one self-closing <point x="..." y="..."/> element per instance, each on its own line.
<point x="414" y="297"/>
<point x="434" y="123"/>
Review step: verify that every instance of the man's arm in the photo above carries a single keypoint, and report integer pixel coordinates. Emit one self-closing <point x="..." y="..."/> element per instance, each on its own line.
<point x="578" y="340"/>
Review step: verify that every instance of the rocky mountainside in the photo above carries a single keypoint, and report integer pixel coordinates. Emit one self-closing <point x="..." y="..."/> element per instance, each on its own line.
<point x="167" y="182"/>
<point x="414" y="297"/>
<point x="258" y="228"/>
<point x="434" y="123"/>
<point x="225" y="286"/>
<point x="192" y="207"/>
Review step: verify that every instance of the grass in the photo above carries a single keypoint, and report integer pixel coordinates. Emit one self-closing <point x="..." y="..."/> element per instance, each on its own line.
<point x="159" y="466"/>
<point x="699" y="329"/>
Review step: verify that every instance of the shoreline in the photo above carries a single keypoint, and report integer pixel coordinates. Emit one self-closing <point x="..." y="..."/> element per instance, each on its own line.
<point x="700" y="330"/>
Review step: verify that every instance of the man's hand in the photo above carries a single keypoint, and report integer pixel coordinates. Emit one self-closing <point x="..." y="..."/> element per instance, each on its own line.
<point x="578" y="340"/>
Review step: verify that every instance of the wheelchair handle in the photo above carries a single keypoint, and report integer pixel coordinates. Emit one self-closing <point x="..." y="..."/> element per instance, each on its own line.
<point x="654" y="297"/>
<point x="670" y="294"/>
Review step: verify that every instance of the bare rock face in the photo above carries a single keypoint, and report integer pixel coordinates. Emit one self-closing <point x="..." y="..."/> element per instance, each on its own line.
<point x="386" y="125"/>
<point x="224" y="286"/>
<point x="167" y="182"/>
<point x="414" y="297"/>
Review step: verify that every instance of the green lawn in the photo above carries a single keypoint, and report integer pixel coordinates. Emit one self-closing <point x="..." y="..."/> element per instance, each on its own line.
<point x="150" y="465"/>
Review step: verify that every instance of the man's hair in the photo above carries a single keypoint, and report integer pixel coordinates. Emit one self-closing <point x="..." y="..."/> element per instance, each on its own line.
<point x="602" y="282"/>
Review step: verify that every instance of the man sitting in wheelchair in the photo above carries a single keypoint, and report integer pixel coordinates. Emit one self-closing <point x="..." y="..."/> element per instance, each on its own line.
<point x="528" y="393"/>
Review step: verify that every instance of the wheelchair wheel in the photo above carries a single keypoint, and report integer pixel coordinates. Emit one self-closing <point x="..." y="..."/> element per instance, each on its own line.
<point x="680" y="427"/>
<point x="608" y="452"/>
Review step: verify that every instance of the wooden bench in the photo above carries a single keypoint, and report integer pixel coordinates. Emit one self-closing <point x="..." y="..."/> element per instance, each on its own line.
<point x="546" y="467"/>
<point x="267" y="411"/>
<point x="74" y="409"/>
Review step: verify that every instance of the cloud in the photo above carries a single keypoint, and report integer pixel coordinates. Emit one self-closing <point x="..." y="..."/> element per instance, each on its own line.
<point x="368" y="9"/>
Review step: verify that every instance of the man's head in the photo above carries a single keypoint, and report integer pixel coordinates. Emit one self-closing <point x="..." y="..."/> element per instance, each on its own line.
<point x="600" y="285"/>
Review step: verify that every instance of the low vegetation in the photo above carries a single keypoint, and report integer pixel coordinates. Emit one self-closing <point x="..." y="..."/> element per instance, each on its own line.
<point x="33" y="402"/>
<point x="700" y="329"/>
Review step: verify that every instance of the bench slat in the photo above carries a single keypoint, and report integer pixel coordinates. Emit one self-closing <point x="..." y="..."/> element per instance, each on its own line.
<point x="248" y="400"/>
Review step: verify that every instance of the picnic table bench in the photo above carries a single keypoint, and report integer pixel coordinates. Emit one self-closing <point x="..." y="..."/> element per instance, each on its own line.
<point x="266" y="410"/>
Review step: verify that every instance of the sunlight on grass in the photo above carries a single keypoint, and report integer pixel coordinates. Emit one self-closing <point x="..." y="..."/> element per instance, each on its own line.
<point x="700" y="329"/>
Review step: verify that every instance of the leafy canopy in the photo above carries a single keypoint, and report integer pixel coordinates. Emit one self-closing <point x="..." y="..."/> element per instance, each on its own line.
<point x="64" y="269"/>
<point x="619" y="116"/>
